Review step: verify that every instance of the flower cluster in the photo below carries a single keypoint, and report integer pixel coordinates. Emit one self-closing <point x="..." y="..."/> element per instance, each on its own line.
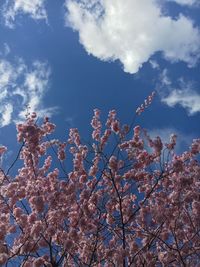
<point x="146" y="103"/>
<point x="120" y="204"/>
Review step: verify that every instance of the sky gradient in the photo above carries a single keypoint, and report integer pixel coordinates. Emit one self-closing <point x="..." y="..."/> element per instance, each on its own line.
<point x="65" y="58"/>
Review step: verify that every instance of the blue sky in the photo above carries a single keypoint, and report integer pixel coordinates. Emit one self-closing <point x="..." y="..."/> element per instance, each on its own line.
<point x="65" y="58"/>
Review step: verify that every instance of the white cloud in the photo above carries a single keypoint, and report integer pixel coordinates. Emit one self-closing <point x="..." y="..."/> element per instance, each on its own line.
<point x="7" y="74"/>
<point x="33" y="8"/>
<point x="187" y="98"/>
<point x="34" y="88"/>
<point x="21" y="86"/>
<point x="6" y="111"/>
<point x="6" y="49"/>
<point x="185" y="2"/>
<point x="178" y="92"/>
<point x="154" y="64"/>
<point x="132" y="31"/>
<point x="164" y="78"/>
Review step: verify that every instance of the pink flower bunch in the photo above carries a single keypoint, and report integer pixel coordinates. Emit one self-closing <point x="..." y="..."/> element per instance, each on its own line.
<point x="146" y="103"/>
<point x="96" y="125"/>
<point x="61" y="151"/>
<point x="120" y="204"/>
<point x="3" y="149"/>
<point x="112" y="122"/>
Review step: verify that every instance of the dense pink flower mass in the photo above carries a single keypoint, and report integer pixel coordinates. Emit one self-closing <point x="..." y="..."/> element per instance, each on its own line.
<point x="128" y="200"/>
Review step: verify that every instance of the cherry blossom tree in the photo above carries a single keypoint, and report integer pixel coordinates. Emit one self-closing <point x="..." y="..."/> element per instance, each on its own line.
<point x="128" y="200"/>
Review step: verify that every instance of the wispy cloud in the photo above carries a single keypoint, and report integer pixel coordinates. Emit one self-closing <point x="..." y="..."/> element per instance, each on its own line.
<point x="21" y="86"/>
<point x="132" y="31"/>
<point x="164" y="79"/>
<point x="5" y="50"/>
<point x="33" y="8"/>
<point x="180" y="92"/>
<point x="8" y="74"/>
<point x="6" y="114"/>
<point x="154" y="64"/>
<point x="187" y="98"/>
<point x="186" y="2"/>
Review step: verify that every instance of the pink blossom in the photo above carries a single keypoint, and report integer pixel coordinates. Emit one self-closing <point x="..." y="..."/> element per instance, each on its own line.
<point x="3" y="258"/>
<point x="137" y="130"/>
<point x="113" y="164"/>
<point x="147" y="102"/>
<point x="119" y="199"/>
<point x="115" y="127"/>
<point x="38" y="262"/>
<point x="3" y="149"/>
<point x="37" y="203"/>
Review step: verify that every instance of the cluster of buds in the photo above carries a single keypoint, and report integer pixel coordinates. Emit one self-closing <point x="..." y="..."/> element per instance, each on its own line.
<point x="146" y="103"/>
<point x="2" y="150"/>
<point x="96" y="125"/>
